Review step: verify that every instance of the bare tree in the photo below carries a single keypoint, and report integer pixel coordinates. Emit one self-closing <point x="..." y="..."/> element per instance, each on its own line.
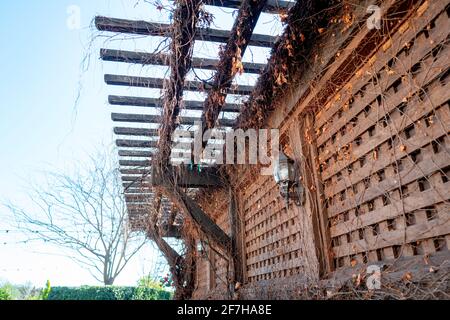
<point x="84" y="212"/>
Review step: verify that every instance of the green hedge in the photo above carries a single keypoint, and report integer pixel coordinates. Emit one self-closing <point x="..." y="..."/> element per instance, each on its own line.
<point x="108" y="293"/>
<point x="5" y="294"/>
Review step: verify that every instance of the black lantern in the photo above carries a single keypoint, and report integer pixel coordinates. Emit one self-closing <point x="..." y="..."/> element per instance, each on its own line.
<point x="288" y="180"/>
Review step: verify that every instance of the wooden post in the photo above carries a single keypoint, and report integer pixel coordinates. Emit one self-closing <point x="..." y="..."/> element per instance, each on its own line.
<point x="325" y="258"/>
<point x="311" y="214"/>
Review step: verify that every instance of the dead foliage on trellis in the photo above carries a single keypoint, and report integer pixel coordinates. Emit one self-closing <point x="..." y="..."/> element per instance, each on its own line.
<point x="378" y="139"/>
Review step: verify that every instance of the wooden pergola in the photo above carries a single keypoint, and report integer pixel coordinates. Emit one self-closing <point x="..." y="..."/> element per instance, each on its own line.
<point x="144" y="148"/>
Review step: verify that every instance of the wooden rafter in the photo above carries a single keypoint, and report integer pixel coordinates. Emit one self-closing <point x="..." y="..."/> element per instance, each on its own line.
<point x="136" y="153"/>
<point x="156" y="103"/>
<point x="135" y="163"/>
<point x="162" y="59"/>
<point x="208" y="177"/>
<point x="164" y="30"/>
<point x="135" y="132"/>
<point x="158" y="83"/>
<point x="272" y="6"/>
<point x="149" y="118"/>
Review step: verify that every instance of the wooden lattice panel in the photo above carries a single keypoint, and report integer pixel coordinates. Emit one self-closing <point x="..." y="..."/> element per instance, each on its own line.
<point x="272" y="245"/>
<point x="384" y="148"/>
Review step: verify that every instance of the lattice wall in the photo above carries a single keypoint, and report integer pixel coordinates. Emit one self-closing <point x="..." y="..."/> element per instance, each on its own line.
<point x="384" y="148"/>
<point x="272" y="245"/>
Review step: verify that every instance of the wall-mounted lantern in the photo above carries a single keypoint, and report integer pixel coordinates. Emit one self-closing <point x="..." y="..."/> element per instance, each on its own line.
<point x="287" y="177"/>
<point x="201" y="248"/>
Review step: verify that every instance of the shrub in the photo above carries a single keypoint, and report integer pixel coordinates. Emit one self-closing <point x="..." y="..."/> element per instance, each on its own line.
<point x="108" y="293"/>
<point x="45" y="292"/>
<point x="149" y="282"/>
<point x="5" y="294"/>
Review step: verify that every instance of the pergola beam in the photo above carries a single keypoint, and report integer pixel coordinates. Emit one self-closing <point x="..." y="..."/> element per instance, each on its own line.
<point x="123" y="143"/>
<point x="164" y="30"/>
<point x="134" y="171"/>
<point x="156" y="103"/>
<point x="142" y="132"/>
<point x="162" y="59"/>
<point x="135" y="185"/>
<point x="152" y="133"/>
<point x="208" y="227"/>
<point x="141" y="178"/>
<point x="186" y="178"/>
<point x="136" y="153"/>
<point x="132" y="190"/>
<point x="135" y="163"/>
<point x="158" y="83"/>
<point x="272" y="6"/>
<point x="149" y="118"/>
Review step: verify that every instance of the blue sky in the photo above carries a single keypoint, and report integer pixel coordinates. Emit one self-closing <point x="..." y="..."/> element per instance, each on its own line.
<point x="41" y="128"/>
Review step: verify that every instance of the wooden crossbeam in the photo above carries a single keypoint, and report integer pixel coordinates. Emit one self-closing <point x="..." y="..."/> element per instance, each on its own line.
<point x="135" y="205"/>
<point x="139" y="197"/>
<point x="122" y="143"/>
<point x="148" y="118"/>
<point x="162" y="59"/>
<point x="158" y="83"/>
<point x="135" y="163"/>
<point x="133" y="190"/>
<point x="134" y="197"/>
<point x="135" y="132"/>
<point x="138" y="206"/>
<point x="133" y="171"/>
<point x="245" y="23"/>
<point x="171" y="232"/>
<point x="152" y="133"/>
<point x="136" y="153"/>
<point x="156" y="103"/>
<point x="272" y="6"/>
<point x="164" y="30"/>
<point x="137" y="185"/>
<point x="186" y="178"/>
<point x="207" y="226"/>
<point x="140" y="178"/>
